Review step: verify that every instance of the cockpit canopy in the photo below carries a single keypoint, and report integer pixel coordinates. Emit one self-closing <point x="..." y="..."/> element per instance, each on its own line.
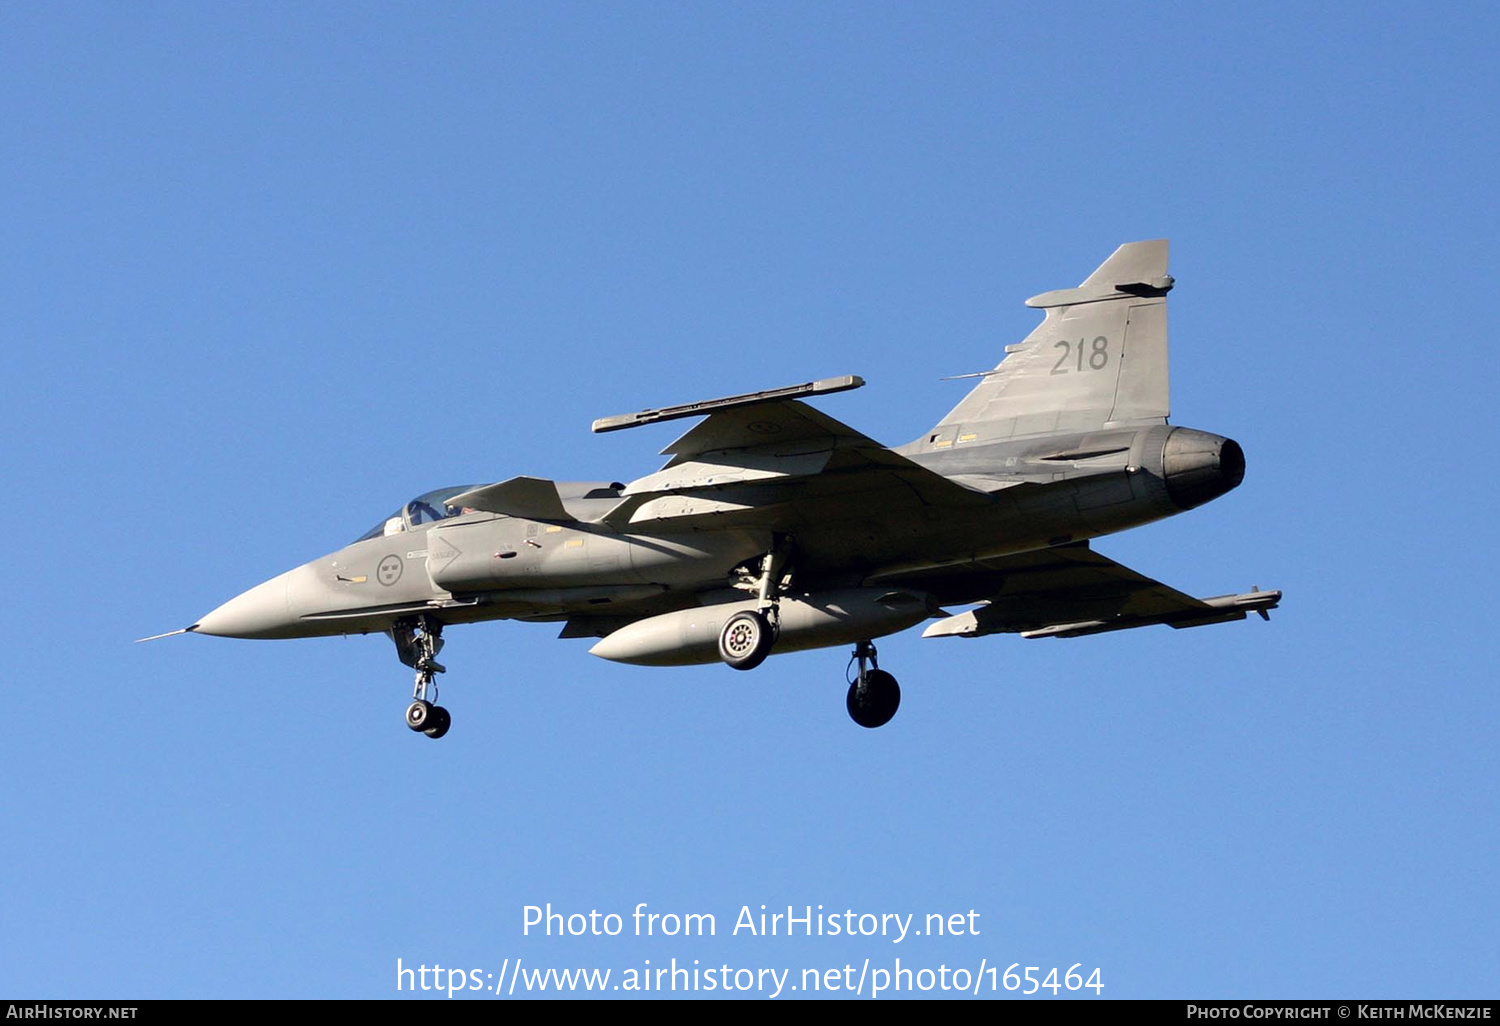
<point x="424" y="509"/>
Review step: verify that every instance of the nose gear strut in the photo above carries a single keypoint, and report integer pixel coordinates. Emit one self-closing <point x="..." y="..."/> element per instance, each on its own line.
<point x="418" y="641"/>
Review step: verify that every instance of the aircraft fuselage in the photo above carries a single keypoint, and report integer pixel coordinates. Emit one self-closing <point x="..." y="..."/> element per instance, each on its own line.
<point x="1038" y="493"/>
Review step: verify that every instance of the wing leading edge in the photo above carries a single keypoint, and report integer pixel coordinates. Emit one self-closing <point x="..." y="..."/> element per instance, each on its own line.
<point x="771" y="460"/>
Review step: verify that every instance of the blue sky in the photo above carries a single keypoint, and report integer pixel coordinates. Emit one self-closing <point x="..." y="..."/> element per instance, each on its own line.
<point x="269" y="270"/>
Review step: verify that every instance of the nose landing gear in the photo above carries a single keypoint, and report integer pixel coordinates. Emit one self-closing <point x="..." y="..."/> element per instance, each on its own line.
<point x="418" y="641"/>
<point x="425" y="718"/>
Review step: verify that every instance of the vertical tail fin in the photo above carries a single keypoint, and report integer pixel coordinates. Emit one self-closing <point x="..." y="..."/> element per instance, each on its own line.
<point x="1099" y="358"/>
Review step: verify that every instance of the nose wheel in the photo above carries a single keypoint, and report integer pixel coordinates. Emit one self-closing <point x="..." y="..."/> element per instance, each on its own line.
<point x="417" y="644"/>
<point x="425" y="718"/>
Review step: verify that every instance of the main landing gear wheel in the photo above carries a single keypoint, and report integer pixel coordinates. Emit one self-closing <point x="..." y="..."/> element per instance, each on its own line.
<point x="874" y="695"/>
<point x="873" y="701"/>
<point x="746" y="640"/>
<point x="748" y="637"/>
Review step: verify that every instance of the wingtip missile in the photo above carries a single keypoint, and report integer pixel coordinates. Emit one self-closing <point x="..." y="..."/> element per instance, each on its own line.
<point x="825" y="386"/>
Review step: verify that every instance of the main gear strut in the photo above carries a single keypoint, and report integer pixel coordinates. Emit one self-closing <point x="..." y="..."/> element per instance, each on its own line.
<point x="748" y="636"/>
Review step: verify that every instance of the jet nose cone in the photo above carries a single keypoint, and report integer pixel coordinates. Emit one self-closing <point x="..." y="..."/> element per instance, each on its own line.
<point x="1199" y="467"/>
<point x="260" y="612"/>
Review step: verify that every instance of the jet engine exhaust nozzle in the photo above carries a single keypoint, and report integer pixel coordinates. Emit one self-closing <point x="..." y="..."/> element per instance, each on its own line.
<point x="1199" y="467"/>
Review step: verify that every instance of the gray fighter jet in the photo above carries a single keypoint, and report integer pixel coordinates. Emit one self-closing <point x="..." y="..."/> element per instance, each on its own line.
<point x="775" y="528"/>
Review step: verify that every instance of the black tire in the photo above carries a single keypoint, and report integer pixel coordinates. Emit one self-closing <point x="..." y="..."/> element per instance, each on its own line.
<point x="419" y="715"/>
<point x="746" y="640"/>
<point x="438" y="722"/>
<point x="873" y="701"/>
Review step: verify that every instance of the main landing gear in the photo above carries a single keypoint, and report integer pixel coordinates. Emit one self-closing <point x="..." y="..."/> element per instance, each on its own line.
<point x="746" y="640"/>
<point x="418" y="641"/>
<point x="748" y="637"/>
<point x="874" y="695"/>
